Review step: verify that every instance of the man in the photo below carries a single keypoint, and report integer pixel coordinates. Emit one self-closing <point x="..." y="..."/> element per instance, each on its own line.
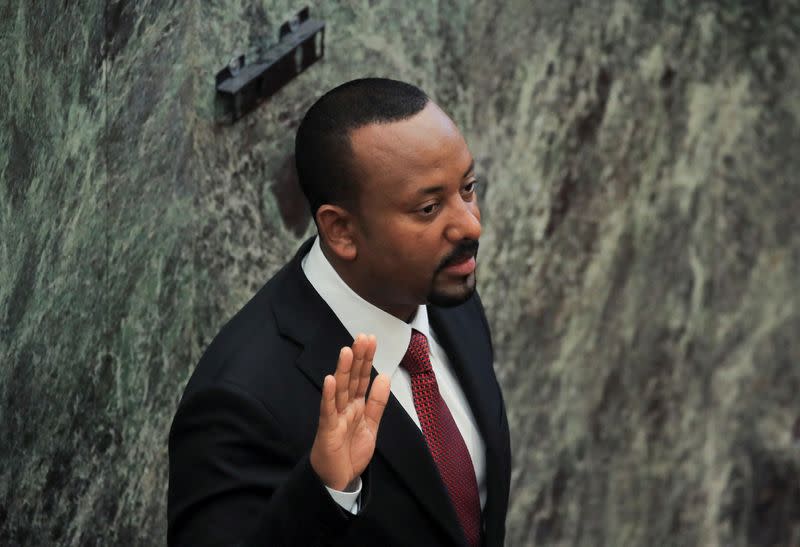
<point x="279" y="438"/>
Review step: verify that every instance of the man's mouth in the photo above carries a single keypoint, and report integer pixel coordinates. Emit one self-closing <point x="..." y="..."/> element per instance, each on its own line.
<point x="464" y="266"/>
<point x="462" y="262"/>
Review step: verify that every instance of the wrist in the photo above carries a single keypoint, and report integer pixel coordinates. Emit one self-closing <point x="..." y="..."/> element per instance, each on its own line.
<point x="352" y="486"/>
<point x="334" y="483"/>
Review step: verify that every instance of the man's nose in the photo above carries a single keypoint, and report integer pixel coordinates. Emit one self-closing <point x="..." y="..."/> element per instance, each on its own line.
<point x="466" y="223"/>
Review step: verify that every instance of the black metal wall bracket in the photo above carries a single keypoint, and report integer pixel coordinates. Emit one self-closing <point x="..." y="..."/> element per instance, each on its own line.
<point x="242" y="87"/>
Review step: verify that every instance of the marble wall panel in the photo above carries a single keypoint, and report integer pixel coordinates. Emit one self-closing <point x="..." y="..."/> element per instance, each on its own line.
<point x="639" y="260"/>
<point x="54" y="429"/>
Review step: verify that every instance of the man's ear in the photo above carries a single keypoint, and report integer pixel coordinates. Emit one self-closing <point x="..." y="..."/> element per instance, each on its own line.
<point x="336" y="227"/>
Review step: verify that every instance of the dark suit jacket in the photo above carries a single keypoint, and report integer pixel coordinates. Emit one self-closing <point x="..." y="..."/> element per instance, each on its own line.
<point x="239" y="472"/>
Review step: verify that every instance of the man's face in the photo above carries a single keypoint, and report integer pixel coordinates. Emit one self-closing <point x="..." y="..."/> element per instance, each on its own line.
<point x="418" y="221"/>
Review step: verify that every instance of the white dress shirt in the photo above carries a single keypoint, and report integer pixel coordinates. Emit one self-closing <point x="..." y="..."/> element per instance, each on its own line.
<point x="393" y="337"/>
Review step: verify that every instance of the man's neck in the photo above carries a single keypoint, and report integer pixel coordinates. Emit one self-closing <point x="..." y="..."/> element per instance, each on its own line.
<point x="404" y="312"/>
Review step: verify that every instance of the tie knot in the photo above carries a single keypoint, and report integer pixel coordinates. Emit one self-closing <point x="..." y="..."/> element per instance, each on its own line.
<point x="417" y="360"/>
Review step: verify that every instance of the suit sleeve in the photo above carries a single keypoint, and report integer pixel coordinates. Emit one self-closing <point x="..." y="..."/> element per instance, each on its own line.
<point x="233" y="482"/>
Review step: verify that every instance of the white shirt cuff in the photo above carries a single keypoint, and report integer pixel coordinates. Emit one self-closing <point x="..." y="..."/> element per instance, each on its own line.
<point x="348" y="500"/>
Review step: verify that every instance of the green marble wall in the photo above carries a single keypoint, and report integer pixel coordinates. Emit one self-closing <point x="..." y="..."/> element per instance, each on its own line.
<point x="640" y="256"/>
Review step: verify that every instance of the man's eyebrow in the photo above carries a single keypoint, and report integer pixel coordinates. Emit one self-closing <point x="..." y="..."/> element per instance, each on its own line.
<point x="431" y="190"/>
<point x="438" y="189"/>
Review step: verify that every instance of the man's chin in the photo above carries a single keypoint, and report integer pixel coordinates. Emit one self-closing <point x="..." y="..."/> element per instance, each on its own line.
<point x="448" y="297"/>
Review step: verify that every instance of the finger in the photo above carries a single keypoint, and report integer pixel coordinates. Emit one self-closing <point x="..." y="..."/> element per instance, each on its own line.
<point x="358" y="361"/>
<point x="327" y="404"/>
<point x="366" y="367"/>
<point x="343" y="377"/>
<point x="378" y="397"/>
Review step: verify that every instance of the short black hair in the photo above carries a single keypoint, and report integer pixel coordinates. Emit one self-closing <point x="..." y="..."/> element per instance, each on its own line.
<point x="322" y="146"/>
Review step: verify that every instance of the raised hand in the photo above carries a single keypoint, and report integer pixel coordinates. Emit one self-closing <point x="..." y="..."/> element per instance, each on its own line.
<point x="348" y="424"/>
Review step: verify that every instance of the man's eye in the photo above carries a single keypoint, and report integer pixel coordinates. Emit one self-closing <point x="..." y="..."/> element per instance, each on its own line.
<point x="469" y="188"/>
<point x="429" y="209"/>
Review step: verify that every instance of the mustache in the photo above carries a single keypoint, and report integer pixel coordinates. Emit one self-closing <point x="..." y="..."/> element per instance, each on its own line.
<point x="464" y="250"/>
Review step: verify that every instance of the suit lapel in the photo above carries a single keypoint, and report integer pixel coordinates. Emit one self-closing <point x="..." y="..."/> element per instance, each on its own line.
<point x="471" y="362"/>
<point x="406" y="451"/>
<point x="469" y="359"/>
<point x="305" y="317"/>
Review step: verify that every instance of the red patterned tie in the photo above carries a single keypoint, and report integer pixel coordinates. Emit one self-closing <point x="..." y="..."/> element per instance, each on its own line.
<point x="444" y="440"/>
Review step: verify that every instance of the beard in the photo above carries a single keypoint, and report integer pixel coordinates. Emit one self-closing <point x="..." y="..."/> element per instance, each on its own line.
<point x="458" y="293"/>
<point x="452" y="298"/>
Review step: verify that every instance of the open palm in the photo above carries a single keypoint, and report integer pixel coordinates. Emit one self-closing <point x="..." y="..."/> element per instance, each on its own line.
<point x="348" y="422"/>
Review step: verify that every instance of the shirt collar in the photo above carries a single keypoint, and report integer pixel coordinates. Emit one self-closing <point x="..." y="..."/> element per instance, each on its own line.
<point x="359" y="316"/>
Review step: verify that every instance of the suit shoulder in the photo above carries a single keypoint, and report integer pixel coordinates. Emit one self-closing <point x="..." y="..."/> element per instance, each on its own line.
<point x="471" y="311"/>
<point x="469" y="317"/>
<point x="248" y="348"/>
